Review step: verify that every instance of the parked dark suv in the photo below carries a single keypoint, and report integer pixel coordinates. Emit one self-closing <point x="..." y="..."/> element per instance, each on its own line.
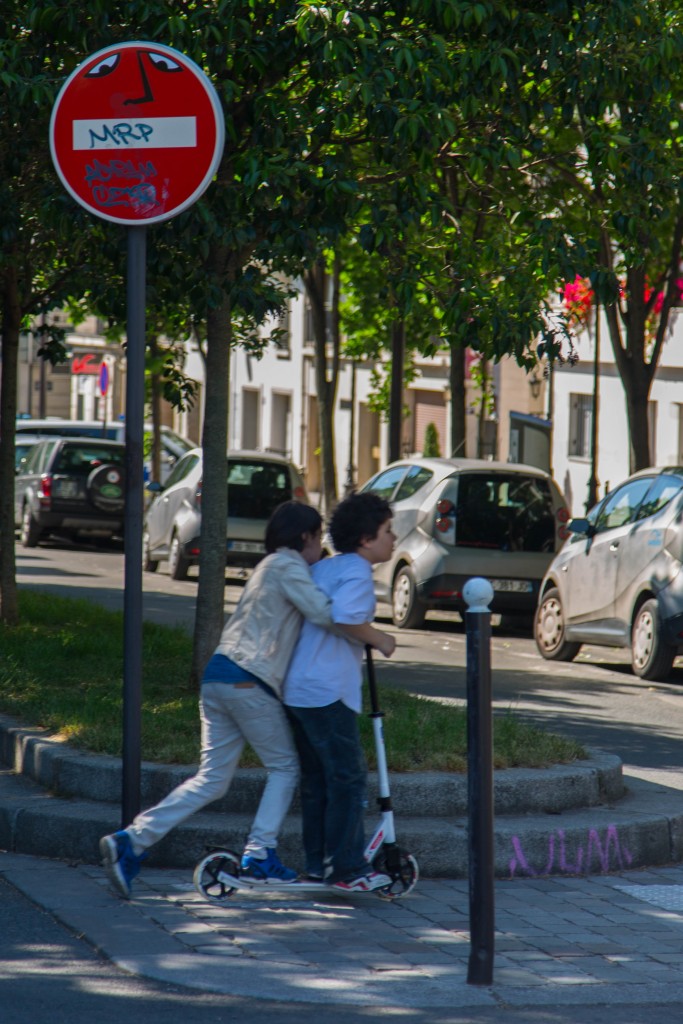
<point x="70" y="486"/>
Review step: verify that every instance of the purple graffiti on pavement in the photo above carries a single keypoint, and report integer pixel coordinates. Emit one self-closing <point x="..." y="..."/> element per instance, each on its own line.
<point x="601" y="852"/>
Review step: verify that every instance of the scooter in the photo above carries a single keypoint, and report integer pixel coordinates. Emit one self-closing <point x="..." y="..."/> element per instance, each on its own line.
<point x="218" y="876"/>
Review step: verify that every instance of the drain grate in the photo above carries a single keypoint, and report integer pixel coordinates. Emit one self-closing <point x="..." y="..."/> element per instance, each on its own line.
<point x="668" y="897"/>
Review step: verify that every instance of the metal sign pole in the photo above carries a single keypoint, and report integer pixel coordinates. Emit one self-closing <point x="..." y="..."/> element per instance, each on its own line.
<point x="174" y="138"/>
<point x="132" y="598"/>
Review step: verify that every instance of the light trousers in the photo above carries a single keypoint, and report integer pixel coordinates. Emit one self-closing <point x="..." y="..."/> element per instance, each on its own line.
<point x="231" y="715"/>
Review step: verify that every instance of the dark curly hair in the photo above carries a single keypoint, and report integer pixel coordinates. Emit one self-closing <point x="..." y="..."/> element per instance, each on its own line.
<point x="358" y="518"/>
<point x="288" y="524"/>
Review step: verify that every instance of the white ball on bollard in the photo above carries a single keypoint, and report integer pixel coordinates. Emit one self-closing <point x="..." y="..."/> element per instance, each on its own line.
<point x="478" y="594"/>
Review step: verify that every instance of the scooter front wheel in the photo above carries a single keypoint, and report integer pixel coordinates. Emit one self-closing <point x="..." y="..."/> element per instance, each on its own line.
<point x="404" y="873"/>
<point x="212" y="874"/>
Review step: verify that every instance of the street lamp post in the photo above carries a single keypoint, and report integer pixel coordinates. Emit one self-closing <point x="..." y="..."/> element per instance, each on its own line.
<point x="350" y="470"/>
<point x="594" y="483"/>
<point x="42" y="393"/>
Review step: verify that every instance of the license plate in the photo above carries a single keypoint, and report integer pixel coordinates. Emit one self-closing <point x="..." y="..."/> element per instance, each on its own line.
<point x="512" y="586"/>
<point x="246" y="545"/>
<point x="66" y="488"/>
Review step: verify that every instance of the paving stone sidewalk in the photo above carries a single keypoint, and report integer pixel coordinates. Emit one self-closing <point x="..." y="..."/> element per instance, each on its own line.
<point x="559" y="941"/>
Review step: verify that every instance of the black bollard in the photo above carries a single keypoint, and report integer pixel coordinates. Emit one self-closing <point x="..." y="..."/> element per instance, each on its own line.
<point x="478" y="594"/>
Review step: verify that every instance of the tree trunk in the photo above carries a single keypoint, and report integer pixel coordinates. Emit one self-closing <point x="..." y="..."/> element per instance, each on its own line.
<point x="481" y="418"/>
<point x="155" y="403"/>
<point x="398" y="351"/>
<point x="209" y="613"/>
<point x="637" y="392"/>
<point x="10" y="325"/>
<point x="326" y="377"/>
<point x="458" y="413"/>
<point x="635" y="371"/>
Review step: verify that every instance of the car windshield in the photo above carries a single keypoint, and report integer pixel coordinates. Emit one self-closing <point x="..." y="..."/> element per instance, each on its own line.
<point x="21" y="450"/>
<point x="180" y="442"/>
<point x="255" y="488"/>
<point x="83" y="458"/>
<point x="505" y="511"/>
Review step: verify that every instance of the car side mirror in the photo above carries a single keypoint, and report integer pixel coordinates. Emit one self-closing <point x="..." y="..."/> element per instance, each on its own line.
<point x="154" y="486"/>
<point x="583" y="526"/>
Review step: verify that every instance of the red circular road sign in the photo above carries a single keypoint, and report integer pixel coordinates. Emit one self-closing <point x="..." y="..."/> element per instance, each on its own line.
<point x="137" y="133"/>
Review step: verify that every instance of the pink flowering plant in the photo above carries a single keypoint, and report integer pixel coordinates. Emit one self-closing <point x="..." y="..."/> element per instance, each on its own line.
<point x="578" y="298"/>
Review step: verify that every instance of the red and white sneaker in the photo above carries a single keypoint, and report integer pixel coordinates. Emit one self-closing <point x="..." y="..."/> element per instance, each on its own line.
<point x="364" y="883"/>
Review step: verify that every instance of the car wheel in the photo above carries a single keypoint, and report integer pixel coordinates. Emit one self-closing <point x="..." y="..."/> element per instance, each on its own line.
<point x="407" y="610"/>
<point x="30" y="531"/>
<point x="549" y="629"/>
<point x="651" y="656"/>
<point x="148" y="564"/>
<point x="177" y="563"/>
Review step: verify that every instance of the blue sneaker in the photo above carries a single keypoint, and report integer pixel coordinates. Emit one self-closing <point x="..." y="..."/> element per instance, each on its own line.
<point x="266" y="869"/>
<point x="120" y="862"/>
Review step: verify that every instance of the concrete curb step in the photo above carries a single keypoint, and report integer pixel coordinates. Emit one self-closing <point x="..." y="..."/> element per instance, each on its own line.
<point x="639" y="832"/>
<point x="575" y="819"/>
<point x="67" y="772"/>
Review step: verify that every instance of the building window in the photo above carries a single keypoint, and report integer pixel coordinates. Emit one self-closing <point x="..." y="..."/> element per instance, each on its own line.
<point x="309" y="332"/>
<point x="280" y="423"/>
<point x="283" y="339"/>
<point x="251" y="418"/>
<point x="580" y="424"/>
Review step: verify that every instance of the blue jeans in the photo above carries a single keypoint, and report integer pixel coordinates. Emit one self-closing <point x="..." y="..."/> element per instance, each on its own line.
<point x="333" y="790"/>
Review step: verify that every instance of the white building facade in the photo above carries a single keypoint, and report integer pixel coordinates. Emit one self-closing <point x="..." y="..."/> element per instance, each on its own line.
<point x="273" y="406"/>
<point x="573" y="388"/>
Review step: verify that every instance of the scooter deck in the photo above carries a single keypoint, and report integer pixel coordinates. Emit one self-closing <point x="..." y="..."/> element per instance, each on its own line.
<point x="270" y="885"/>
<point x="214" y="880"/>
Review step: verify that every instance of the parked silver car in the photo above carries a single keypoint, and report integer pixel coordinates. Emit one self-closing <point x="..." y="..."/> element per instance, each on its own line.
<point x="257" y="484"/>
<point x="458" y="518"/>
<point x="618" y="581"/>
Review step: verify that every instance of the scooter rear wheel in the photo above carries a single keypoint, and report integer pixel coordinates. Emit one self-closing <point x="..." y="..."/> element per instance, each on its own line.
<point x="404" y="878"/>
<point x="210" y="875"/>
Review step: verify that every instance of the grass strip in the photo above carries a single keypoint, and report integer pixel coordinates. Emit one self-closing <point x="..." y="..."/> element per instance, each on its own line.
<point x="62" y="669"/>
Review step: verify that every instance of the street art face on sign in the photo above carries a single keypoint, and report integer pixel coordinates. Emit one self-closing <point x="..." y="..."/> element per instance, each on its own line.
<point x="137" y="133"/>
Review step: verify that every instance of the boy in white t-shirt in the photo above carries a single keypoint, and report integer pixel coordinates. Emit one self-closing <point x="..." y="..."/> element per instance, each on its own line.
<point x="322" y="693"/>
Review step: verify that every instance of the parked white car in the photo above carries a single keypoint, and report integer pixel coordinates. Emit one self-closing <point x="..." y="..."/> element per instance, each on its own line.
<point x="458" y="518"/>
<point x="618" y="581"/>
<point x="257" y="483"/>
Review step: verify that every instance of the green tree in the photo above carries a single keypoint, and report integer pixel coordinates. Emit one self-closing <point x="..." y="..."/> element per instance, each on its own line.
<point x="44" y="241"/>
<point x="612" y="133"/>
<point x="301" y="87"/>
<point x="578" y="104"/>
<point x="431" y="448"/>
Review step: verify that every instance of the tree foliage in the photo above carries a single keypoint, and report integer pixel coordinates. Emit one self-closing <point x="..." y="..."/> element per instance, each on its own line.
<point x="598" y="96"/>
<point x="466" y="158"/>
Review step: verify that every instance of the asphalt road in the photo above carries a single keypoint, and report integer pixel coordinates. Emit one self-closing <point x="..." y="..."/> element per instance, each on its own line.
<point x="595" y="699"/>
